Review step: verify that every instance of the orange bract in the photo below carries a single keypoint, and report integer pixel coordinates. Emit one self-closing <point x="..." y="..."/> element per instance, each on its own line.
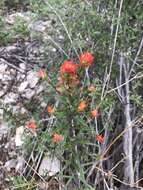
<point x="99" y="138"/>
<point x="82" y="105"/>
<point x="31" y="125"/>
<point x="50" y="109"/>
<point x="42" y="73"/>
<point x="91" y="88"/>
<point x="57" y="138"/>
<point x="68" y="67"/>
<point x="94" y="113"/>
<point x="59" y="88"/>
<point x="86" y="59"/>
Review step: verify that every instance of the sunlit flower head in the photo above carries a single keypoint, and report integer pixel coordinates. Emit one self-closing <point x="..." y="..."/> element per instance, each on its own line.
<point x="50" y="109"/>
<point x="94" y="113"/>
<point x="68" y="67"/>
<point x="100" y="138"/>
<point x="86" y="59"/>
<point x="82" y="105"/>
<point x="57" y="138"/>
<point x="31" y="125"/>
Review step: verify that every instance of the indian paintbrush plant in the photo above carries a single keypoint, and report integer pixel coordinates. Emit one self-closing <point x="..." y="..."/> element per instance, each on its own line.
<point x="73" y="112"/>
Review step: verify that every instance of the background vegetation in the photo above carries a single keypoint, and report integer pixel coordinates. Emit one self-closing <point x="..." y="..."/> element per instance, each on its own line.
<point x="112" y="32"/>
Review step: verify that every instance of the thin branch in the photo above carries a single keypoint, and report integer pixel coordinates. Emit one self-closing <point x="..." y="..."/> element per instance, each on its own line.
<point x="135" y="60"/>
<point x="115" y="41"/>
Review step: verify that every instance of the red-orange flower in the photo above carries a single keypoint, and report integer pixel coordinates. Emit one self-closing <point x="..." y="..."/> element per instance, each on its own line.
<point x="31" y="125"/>
<point x="57" y="138"/>
<point x="99" y="138"/>
<point x="86" y="59"/>
<point x="41" y="73"/>
<point x="94" y="113"/>
<point x="50" y="109"/>
<point x="68" y="67"/>
<point x="82" y="105"/>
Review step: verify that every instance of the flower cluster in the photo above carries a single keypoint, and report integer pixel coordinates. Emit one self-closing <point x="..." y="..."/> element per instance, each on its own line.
<point x="82" y="105"/>
<point x="50" y="109"/>
<point x="94" y="113"/>
<point x="68" y="81"/>
<point x="69" y="71"/>
<point x="100" y="138"/>
<point x="69" y="67"/>
<point x="31" y="125"/>
<point x="57" y="138"/>
<point x="86" y="59"/>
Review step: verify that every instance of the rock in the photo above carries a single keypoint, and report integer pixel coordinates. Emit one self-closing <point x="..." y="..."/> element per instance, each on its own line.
<point x="11" y="19"/>
<point x="1" y="93"/>
<point x="6" y="77"/>
<point x="20" y="164"/>
<point x="49" y="165"/>
<point x="11" y="48"/>
<point x="54" y="49"/>
<point x="1" y="114"/>
<point x="22" y="66"/>
<point x="10" y="144"/>
<point x="10" y="98"/>
<point x="15" y="109"/>
<point x="1" y="76"/>
<point x="3" y="128"/>
<point x="18" y="136"/>
<point x="12" y="154"/>
<point x="20" y="76"/>
<point x="23" y="111"/>
<point x="43" y="104"/>
<point x="39" y="89"/>
<point x="22" y="86"/>
<point x="61" y="37"/>
<point x="39" y="25"/>
<point x="3" y="67"/>
<point x="10" y="164"/>
<point x="29" y="93"/>
<point x="32" y="79"/>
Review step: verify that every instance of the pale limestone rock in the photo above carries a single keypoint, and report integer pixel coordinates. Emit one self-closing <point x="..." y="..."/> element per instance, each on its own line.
<point x="22" y="66"/>
<point x="49" y="165"/>
<point x="22" y="86"/>
<point x="10" y="98"/>
<point x="29" y="93"/>
<point x="20" y="164"/>
<point x="10" y="164"/>
<point x="39" y="25"/>
<point x="18" y="136"/>
<point x="32" y="79"/>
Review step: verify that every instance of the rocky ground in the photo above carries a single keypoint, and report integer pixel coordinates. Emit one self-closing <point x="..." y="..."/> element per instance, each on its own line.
<point x="19" y="84"/>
